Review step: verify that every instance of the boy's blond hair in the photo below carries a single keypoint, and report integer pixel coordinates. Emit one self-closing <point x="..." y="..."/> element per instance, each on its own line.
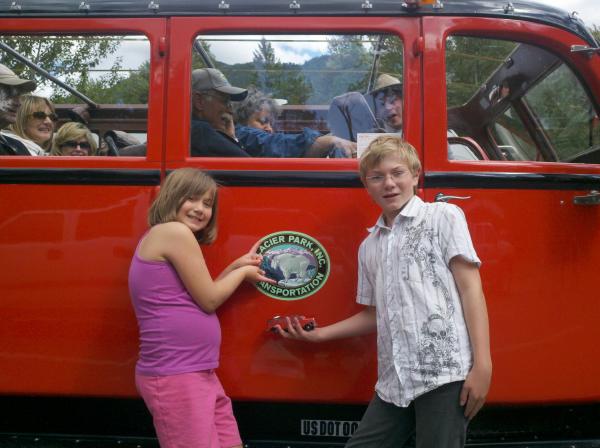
<point x="180" y="185"/>
<point x="387" y="145"/>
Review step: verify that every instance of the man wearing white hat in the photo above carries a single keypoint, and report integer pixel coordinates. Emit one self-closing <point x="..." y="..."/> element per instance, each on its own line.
<point x="213" y="133"/>
<point x="11" y="88"/>
<point x="387" y="96"/>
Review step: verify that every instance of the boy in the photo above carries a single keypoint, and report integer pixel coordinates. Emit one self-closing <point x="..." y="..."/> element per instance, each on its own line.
<point x="419" y="279"/>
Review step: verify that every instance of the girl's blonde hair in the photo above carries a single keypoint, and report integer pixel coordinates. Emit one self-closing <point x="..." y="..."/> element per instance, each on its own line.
<point x="29" y="105"/>
<point x="180" y="185"/>
<point x="73" y="131"/>
<point x="387" y="145"/>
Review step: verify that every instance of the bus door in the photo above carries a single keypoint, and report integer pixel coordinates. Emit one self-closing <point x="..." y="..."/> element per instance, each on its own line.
<point x="301" y="203"/>
<point x="517" y="147"/>
<point x="69" y="224"/>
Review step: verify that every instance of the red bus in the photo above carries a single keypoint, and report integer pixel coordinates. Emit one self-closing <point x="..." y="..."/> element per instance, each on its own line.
<point x="500" y="99"/>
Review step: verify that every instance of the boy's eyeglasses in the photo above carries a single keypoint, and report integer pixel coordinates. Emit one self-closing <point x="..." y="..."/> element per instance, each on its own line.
<point x="380" y="178"/>
<point x="73" y="144"/>
<point x="39" y="115"/>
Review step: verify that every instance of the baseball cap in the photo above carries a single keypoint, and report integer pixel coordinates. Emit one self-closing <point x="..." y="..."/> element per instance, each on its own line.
<point x="384" y="81"/>
<point x="211" y="78"/>
<point x="8" y="78"/>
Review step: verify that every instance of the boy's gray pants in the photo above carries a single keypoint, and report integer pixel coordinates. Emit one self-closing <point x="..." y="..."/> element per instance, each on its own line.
<point x="436" y="418"/>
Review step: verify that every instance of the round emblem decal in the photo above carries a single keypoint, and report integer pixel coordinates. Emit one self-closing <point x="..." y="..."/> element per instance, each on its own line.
<point x="298" y="263"/>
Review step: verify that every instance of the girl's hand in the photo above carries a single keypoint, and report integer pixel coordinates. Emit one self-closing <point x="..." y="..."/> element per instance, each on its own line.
<point x="250" y="258"/>
<point x="254" y="274"/>
<point x="295" y="331"/>
<point x="475" y="389"/>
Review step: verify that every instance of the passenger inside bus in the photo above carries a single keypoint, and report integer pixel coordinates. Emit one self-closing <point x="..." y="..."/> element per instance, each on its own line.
<point x="258" y="110"/>
<point x="35" y="124"/>
<point x="387" y="100"/>
<point x="11" y="88"/>
<point x="349" y="114"/>
<point x="214" y="131"/>
<point x="255" y="116"/>
<point x="74" y="139"/>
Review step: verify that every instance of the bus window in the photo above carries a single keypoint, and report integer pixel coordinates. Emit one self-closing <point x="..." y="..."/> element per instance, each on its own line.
<point x="308" y="95"/>
<point x="518" y="102"/>
<point x="96" y="83"/>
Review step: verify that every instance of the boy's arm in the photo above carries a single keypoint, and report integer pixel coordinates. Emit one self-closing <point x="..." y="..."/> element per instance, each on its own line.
<point x="363" y="322"/>
<point x="477" y="383"/>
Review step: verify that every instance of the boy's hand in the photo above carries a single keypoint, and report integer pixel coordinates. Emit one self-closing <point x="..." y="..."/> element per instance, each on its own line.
<point x="475" y="389"/>
<point x="295" y="331"/>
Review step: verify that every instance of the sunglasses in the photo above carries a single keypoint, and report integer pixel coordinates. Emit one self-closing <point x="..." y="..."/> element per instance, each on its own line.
<point x="73" y="144"/>
<point x="43" y="115"/>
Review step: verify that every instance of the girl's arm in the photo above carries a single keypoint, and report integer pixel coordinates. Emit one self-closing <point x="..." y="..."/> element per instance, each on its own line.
<point x="363" y="322"/>
<point x="477" y="383"/>
<point x="176" y="243"/>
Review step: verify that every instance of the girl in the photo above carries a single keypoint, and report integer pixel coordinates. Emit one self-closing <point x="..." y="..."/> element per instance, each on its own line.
<point x="175" y="298"/>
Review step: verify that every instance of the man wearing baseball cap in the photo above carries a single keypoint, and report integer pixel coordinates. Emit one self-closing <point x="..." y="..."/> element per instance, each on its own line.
<point x="213" y="132"/>
<point x="387" y="97"/>
<point x="11" y="88"/>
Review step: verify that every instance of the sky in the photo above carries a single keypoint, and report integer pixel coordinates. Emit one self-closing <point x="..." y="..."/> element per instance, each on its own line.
<point x="588" y="10"/>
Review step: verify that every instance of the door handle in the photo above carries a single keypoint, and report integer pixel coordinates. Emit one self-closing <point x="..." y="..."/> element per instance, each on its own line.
<point x="589" y="199"/>
<point x="441" y="197"/>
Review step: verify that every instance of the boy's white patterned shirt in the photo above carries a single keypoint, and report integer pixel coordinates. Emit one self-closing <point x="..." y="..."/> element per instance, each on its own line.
<point x="422" y="338"/>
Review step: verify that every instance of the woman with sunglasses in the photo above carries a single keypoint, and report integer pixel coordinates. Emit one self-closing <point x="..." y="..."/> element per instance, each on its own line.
<point x="74" y="139"/>
<point x="34" y="124"/>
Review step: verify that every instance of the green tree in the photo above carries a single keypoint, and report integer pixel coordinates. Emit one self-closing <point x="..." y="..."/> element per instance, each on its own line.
<point x="197" y="60"/>
<point x="469" y="63"/>
<point x="391" y="60"/>
<point x="350" y="62"/>
<point x="595" y="30"/>
<point x="281" y="80"/>
<point x="115" y="88"/>
<point x="70" y="58"/>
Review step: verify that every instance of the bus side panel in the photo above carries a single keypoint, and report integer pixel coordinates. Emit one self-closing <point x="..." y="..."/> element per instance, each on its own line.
<point x="68" y="325"/>
<point x="255" y="364"/>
